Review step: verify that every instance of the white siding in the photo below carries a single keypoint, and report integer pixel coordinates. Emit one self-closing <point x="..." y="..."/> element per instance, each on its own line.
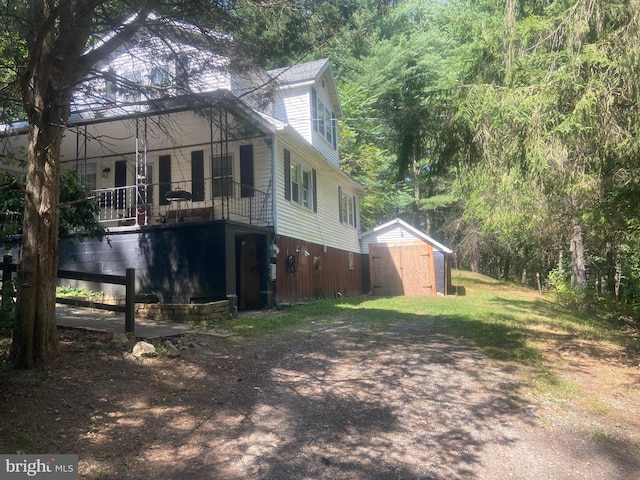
<point x="294" y="108"/>
<point x="206" y="72"/>
<point x="326" y="149"/>
<point x="395" y="232"/>
<point x="296" y="221"/>
<point x="297" y="105"/>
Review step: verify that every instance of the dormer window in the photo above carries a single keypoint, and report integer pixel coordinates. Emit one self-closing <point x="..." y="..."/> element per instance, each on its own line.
<point x="158" y="77"/>
<point x="323" y="119"/>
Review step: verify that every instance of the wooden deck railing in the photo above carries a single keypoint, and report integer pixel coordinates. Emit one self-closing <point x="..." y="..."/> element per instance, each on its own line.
<point x="128" y="281"/>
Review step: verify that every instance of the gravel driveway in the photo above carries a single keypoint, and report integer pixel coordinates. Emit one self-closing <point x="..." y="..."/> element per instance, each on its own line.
<point x="337" y="399"/>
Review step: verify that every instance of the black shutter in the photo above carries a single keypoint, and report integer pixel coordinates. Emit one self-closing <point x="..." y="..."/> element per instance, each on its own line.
<point x="197" y="176"/>
<point x="287" y="174"/>
<point x="164" y="178"/>
<point x="120" y="179"/>
<point x="246" y="171"/>
<point x="340" y="203"/>
<point x="314" y="186"/>
<point x="314" y="109"/>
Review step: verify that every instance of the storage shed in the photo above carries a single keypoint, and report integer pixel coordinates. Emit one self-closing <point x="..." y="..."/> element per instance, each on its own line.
<point x="402" y="260"/>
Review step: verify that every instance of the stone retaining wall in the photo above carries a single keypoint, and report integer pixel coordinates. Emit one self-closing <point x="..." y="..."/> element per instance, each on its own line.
<point x="194" y="314"/>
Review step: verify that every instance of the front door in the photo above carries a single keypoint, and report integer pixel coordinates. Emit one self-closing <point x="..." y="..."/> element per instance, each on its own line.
<point x="249" y="269"/>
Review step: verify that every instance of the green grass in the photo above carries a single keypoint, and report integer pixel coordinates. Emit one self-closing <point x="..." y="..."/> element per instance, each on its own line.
<point x="508" y="322"/>
<point x="67" y="291"/>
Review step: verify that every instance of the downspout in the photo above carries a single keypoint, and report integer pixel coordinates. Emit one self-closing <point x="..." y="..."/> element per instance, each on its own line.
<point x="273" y="285"/>
<point x="274" y="182"/>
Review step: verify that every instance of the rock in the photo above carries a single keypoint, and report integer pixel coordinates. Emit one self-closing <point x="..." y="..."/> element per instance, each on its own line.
<point x="144" y="349"/>
<point x="172" y="351"/>
<point x="128" y="356"/>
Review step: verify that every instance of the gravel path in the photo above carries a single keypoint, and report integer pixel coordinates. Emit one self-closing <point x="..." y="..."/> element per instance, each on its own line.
<point x="338" y="399"/>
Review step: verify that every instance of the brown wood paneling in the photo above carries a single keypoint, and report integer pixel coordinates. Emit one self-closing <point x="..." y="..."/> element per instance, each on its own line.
<point x="385" y="274"/>
<point x="402" y="269"/>
<point x="319" y="272"/>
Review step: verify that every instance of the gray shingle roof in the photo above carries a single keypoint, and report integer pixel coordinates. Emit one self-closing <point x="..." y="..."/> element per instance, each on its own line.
<point x="300" y="73"/>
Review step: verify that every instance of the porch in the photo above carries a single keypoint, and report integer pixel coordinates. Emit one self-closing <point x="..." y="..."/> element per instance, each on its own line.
<point x="164" y="203"/>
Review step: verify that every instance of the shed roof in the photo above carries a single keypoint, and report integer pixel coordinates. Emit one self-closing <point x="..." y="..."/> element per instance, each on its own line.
<point x="398" y="223"/>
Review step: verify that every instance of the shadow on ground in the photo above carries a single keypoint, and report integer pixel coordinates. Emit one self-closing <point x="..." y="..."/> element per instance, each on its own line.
<point x="337" y="398"/>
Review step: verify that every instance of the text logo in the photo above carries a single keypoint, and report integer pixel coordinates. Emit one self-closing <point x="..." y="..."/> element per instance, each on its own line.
<point x="49" y="467"/>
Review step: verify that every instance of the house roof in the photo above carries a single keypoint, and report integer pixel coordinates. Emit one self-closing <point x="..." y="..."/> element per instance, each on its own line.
<point x="301" y="73"/>
<point x="399" y="223"/>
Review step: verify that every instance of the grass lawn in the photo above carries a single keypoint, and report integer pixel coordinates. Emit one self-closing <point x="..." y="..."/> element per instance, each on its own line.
<point x="507" y="321"/>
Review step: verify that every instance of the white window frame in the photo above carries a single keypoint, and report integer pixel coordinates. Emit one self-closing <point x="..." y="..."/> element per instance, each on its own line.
<point x="90" y="176"/>
<point x="302" y="185"/>
<point x="222" y="177"/>
<point x="324" y="121"/>
<point x="347" y="208"/>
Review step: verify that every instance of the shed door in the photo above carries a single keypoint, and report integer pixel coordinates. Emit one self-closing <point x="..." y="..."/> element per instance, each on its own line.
<point x="402" y="269"/>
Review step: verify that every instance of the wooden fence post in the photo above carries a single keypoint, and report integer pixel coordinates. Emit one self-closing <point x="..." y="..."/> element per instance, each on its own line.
<point x="7" y="286"/>
<point x="130" y="301"/>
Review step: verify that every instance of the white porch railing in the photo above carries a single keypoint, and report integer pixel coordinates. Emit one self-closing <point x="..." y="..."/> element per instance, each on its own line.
<point x="125" y="206"/>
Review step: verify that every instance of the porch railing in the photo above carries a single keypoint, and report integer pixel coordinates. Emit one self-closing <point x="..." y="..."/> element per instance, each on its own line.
<point x="148" y="204"/>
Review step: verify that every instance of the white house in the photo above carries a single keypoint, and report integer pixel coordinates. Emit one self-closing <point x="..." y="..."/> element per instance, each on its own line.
<point x="218" y="194"/>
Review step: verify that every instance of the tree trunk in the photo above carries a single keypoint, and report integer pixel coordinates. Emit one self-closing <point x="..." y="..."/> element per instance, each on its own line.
<point x="57" y="35"/>
<point x="47" y="102"/>
<point x="578" y="262"/>
<point x="612" y="264"/>
<point x="561" y="261"/>
<point x="474" y="261"/>
<point x="416" y="196"/>
<point x="35" y="338"/>
<point x="506" y="267"/>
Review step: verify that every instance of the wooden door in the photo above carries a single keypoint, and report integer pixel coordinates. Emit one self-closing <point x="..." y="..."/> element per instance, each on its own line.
<point x="402" y="269"/>
<point x="248" y="274"/>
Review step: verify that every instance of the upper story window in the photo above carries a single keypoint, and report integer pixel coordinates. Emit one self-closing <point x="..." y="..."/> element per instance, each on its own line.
<point x="89" y="173"/>
<point x="323" y="119"/>
<point x="222" y="175"/>
<point x="300" y="183"/>
<point x="347" y="208"/>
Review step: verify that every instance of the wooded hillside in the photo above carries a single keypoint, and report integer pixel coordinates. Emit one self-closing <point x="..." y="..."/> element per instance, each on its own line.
<point x="507" y="130"/>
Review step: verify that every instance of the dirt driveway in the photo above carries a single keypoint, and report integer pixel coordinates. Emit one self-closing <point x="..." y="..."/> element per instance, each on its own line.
<point x="337" y="399"/>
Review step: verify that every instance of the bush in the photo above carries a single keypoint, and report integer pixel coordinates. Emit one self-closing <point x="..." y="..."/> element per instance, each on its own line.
<point x="559" y="283"/>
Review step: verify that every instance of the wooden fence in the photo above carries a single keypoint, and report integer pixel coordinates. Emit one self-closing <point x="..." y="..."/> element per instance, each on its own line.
<point x="128" y="281"/>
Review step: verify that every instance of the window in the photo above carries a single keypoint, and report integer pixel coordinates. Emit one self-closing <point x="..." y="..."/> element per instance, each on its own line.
<point x="91" y="176"/>
<point x="323" y="120"/>
<point x="300" y="183"/>
<point x="158" y="77"/>
<point x="295" y="183"/>
<point x="306" y="188"/>
<point x="222" y="175"/>
<point x="347" y="208"/>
